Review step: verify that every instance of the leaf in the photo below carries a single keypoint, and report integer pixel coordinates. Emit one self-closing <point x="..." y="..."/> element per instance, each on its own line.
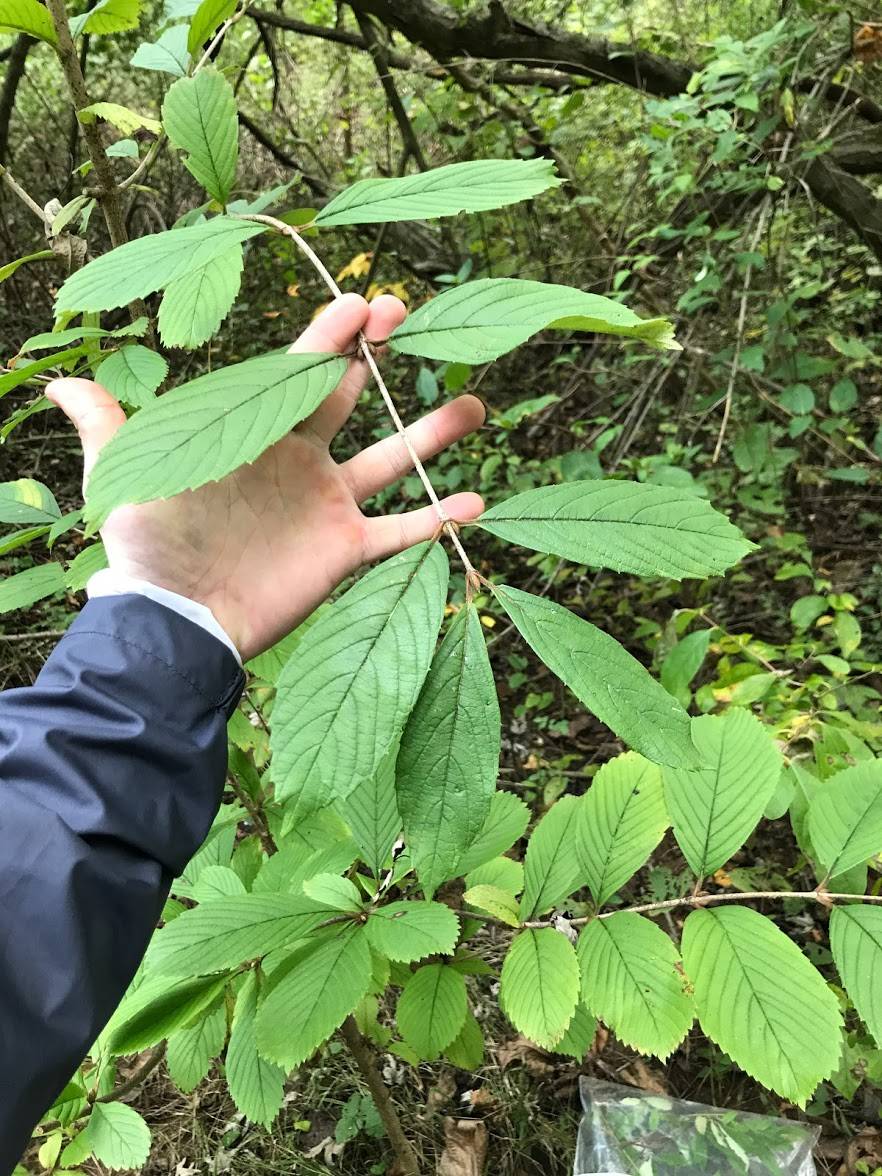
<point x="217" y="882"/>
<point x="603" y="676"/>
<point x="501" y="872"/>
<point x="494" y="901"/>
<point x="626" y="526"/>
<point x="342" y="702"/>
<point x="579" y="1037"/>
<point x="167" y="55"/>
<point x="481" y="320"/>
<point x="199" y="117"/>
<point x="195" y="305"/>
<point x="371" y="812"/>
<point x="132" y="374"/>
<point x="313" y="997"/>
<point x="856" y="944"/>
<point x="174" y="1008"/>
<point x="191" y="1051"/>
<point x="715" y="808"/>
<point x="441" y="191"/>
<point x="551" y="868"/>
<point x="256" y="1086"/>
<point x="506" y="823"/>
<point x="27" y="16"/>
<point x="225" y="932"/>
<point x="86" y="563"/>
<point x="53" y="339"/>
<point x="761" y="1001"/>
<point x="6" y="271"/>
<point x="467" y="1049"/>
<point x="340" y="894"/>
<point x="26" y="588"/>
<point x="20" y="375"/>
<point x="123" y="149"/>
<point x="141" y="267"/>
<point x="411" y="930"/>
<point x="118" y="1135"/>
<point x="845" y="817"/>
<point x="107" y="16"/>
<point x="203" y="430"/>
<point x="208" y="16"/>
<point x="682" y="664"/>
<point x="432" y="1009"/>
<point x="539" y="985"/>
<point x="449" y="758"/>
<point x="631" y="981"/>
<point x="125" y="120"/>
<point x="621" y="820"/>
<point x="27" y="501"/>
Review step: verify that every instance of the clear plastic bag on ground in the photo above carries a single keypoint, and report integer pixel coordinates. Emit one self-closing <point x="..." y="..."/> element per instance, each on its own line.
<point x="629" y="1132"/>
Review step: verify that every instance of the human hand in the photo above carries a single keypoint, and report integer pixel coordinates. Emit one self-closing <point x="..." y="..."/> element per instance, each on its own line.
<point x="266" y="545"/>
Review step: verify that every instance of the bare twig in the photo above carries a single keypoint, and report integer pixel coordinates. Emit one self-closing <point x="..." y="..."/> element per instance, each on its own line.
<point x="14" y="186"/>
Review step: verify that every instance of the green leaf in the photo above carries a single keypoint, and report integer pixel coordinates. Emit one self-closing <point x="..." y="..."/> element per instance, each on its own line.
<point x="125" y="120"/>
<point x="6" y="271"/>
<point x="579" y="1037"/>
<point x="449" y="757"/>
<point x="123" y="149"/>
<point x="495" y="901"/>
<point x="716" y="807"/>
<point x="631" y="980"/>
<point x="551" y="868"/>
<point x="195" y="305"/>
<point x="320" y="987"/>
<point x="342" y="702"/>
<point x="539" y="985"/>
<point x="86" y="563"/>
<point x="191" y="1051"/>
<point x="682" y="664"/>
<point x="371" y="812"/>
<point x="199" y="116"/>
<point x="621" y="820"/>
<point x="441" y="191"/>
<point x="167" y="55"/>
<point x="856" y="944"/>
<point x="432" y="1009"/>
<point x="27" y="501"/>
<point x="26" y="588"/>
<point x="208" y="16"/>
<point x="340" y="894"/>
<point x="501" y="872"/>
<point x="118" y="1135"/>
<point x="107" y="16"/>
<point x="132" y="374"/>
<point x="225" y="932"/>
<point x="256" y="1086"/>
<point x="141" y="267"/>
<point x="506" y="823"/>
<point x="217" y="882"/>
<point x="845" y="817"/>
<point x="480" y="321"/>
<point x="24" y="372"/>
<point x="626" y="526"/>
<point x="467" y="1049"/>
<point x="761" y="1001"/>
<point x="27" y="16"/>
<point x="603" y="676"/>
<point x="202" y="431"/>
<point x="52" y="339"/>
<point x="172" y="1009"/>
<point x="411" y="930"/>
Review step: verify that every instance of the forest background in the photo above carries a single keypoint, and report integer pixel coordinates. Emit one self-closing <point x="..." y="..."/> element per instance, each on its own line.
<point x="722" y="165"/>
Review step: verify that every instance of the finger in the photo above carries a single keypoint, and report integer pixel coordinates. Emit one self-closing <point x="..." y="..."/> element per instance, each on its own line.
<point x="393" y="533"/>
<point x="380" y="465"/>
<point x="336" y="327"/>
<point x="92" y="410"/>
<point x="385" y="314"/>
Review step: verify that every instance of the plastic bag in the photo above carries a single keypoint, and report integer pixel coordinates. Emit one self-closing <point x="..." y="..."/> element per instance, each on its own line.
<point x="628" y="1132"/>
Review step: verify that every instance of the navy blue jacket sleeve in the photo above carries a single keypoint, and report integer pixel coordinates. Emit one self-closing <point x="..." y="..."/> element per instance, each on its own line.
<point x="111" y="771"/>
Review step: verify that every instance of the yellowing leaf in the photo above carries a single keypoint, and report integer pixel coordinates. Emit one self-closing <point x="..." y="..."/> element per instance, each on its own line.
<point x="357" y="267"/>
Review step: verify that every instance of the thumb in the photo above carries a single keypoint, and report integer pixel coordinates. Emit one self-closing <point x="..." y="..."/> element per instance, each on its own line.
<point x="92" y="410"/>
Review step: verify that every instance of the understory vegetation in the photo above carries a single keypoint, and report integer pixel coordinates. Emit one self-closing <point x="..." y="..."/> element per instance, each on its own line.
<point x="589" y="787"/>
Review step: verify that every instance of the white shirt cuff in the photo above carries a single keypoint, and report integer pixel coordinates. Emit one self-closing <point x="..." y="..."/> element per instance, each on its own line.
<point x="108" y="582"/>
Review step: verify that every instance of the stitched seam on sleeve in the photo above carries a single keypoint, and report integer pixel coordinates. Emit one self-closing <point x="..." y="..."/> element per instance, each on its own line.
<point x="216" y="703"/>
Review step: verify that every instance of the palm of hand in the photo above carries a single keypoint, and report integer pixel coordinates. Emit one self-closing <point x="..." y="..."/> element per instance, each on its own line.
<point x="265" y="546"/>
